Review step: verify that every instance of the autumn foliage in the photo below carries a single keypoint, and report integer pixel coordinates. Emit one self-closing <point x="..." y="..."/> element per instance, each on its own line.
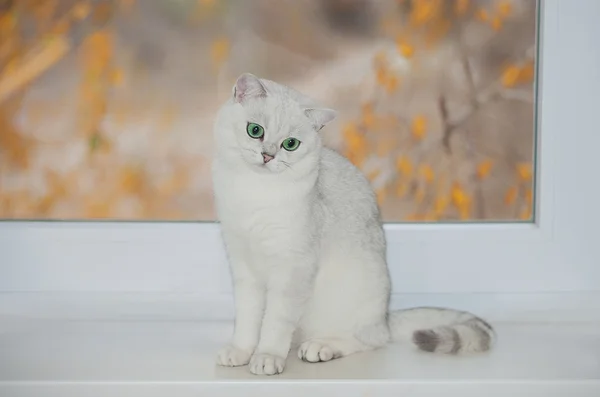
<point x="420" y="158"/>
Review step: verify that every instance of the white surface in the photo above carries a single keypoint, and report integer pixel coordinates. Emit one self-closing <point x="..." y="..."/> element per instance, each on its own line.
<point x="558" y="253"/>
<point x="176" y="358"/>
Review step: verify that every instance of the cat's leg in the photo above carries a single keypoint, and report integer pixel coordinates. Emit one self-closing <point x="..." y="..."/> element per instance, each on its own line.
<point x="288" y="290"/>
<point x="325" y="349"/>
<point x="318" y="349"/>
<point x="249" y="296"/>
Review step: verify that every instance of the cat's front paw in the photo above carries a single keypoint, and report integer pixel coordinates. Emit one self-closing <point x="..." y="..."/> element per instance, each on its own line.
<point x="231" y="356"/>
<point x="266" y="364"/>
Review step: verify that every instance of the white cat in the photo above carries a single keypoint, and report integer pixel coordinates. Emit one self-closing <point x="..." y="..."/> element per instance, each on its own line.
<point x="306" y="244"/>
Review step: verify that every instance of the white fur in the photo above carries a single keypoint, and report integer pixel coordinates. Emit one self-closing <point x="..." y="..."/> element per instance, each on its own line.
<point x="303" y="236"/>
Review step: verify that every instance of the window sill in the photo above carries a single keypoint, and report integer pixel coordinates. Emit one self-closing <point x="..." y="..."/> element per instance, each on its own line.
<point x="131" y="355"/>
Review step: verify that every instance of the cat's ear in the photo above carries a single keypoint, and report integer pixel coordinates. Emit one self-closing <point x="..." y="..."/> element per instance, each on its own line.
<point x="248" y="86"/>
<point x="320" y="117"/>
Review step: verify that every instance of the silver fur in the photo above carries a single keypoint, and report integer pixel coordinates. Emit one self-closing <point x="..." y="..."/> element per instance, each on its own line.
<point x="306" y="244"/>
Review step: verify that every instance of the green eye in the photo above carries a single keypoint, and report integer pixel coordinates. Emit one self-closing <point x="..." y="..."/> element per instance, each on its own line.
<point x="290" y="144"/>
<point x="255" y="131"/>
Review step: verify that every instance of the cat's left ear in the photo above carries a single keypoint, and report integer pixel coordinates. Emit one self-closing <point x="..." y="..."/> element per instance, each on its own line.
<point x="320" y="117"/>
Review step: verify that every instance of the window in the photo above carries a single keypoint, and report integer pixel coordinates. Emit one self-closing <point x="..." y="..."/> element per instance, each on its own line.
<point x="540" y="262"/>
<point x="557" y="252"/>
<point x="111" y="117"/>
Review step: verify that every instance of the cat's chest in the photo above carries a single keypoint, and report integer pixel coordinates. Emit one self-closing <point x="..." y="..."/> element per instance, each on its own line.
<point x="259" y="208"/>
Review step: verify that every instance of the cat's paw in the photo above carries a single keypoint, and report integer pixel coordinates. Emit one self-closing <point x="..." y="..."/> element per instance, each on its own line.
<point x="266" y="364"/>
<point x="315" y="351"/>
<point x="231" y="356"/>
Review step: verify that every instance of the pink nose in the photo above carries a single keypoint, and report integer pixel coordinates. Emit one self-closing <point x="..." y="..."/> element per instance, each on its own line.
<point x="267" y="157"/>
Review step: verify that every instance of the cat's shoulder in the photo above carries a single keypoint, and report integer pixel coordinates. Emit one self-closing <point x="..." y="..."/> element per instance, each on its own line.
<point x="333" y="159"/>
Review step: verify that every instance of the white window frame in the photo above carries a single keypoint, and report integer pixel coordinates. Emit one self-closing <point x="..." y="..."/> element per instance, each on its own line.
<point x="553" y="263"/>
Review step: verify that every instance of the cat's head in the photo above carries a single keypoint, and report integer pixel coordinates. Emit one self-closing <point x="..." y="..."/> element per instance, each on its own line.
<point x="271" y="127"/>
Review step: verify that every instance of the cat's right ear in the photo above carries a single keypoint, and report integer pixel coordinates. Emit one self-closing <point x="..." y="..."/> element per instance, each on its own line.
<point x="248" y="86"/>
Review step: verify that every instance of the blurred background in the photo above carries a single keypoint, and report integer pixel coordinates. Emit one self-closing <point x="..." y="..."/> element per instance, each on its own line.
<point x="106" y="106"/>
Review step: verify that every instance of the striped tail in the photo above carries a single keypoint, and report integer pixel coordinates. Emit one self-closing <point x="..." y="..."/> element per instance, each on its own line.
<point x="440" y="330"/>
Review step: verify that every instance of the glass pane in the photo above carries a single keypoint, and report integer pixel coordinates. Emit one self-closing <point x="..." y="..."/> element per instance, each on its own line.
<point x="106" y="107"/>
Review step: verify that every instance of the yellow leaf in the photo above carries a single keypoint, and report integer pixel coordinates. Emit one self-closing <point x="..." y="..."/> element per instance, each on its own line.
<point x="381" y="194"/>
<point x="484" y="168"/>
<point x="391" y="84"/>
<point x="368" y="116"/>
<point x="402" y="190"/>
<point x="504" y="8"/>
<point x="420" y="195"/>
<point x="373" y="174"/>
<point x="404" y="165"/>
<point x="441" y="203"/>
<point x="496" y="23"/>
<point x="526" y="73"/>
<point x="524" y="171"/>
<point x="460" y="198"/>
<point x="419" y="127"/>
<point x="381" y="76"/>
<point x="529" y="196"/>
<point x="525" y="215"/>
<point x="380" y="60"/>
<point x="511" y="195"/>
<point x="220" y="51"/>
<point x="461" y="7"/>
<point x="116" y="77"/>
<point x="427" y="173"/>
<point x="8" y="22"/>
<point x="510" y="76"/>
<point x="98" y="210"/>
<point x="424" y="11"/>
<point x="81" y="10"/>
<point x="482" y="15"/>
<point x="465" y="213"/>
<point x="414" y="217"/>
<point x="405" y="49"/>
<point x="131" y="180"/>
